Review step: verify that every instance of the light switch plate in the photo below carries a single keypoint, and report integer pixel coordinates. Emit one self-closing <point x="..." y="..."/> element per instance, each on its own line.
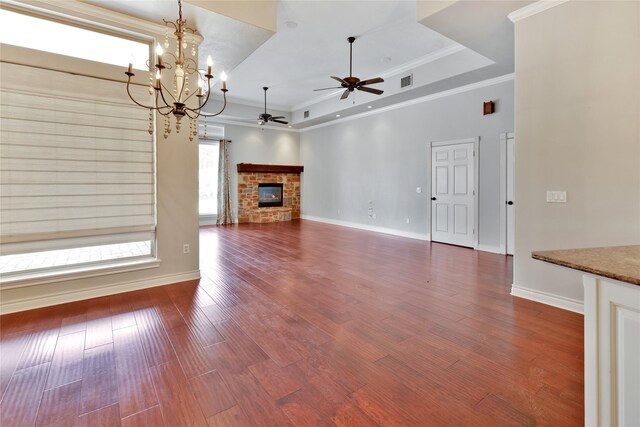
<point x="556" y="197"/>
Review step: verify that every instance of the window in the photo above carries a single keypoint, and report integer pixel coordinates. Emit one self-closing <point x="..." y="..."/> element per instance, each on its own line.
<point x="208" y="160"/>
<point x="27" y="31"/>
<point x="208" y="179"/>
<point x="77" y="183"/>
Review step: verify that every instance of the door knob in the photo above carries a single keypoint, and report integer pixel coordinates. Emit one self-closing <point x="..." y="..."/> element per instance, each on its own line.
<point x="433" y="198"/>
<point x="509" y="202"/>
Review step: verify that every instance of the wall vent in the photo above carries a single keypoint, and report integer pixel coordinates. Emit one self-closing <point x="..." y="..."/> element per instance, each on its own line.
<point x="306" y="114"/>
<point x="406" y="81"/>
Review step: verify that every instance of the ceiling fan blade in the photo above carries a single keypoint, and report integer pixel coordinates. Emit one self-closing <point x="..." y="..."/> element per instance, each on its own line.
<point x="280" y="121"/>
<point x="345" y="94"/>
<point x="371" y="81"/>
<point x="278" y="117"/>
<point x="338" y="79"/>
<point x="371" y="90"/>
<point x="328" y="88"/>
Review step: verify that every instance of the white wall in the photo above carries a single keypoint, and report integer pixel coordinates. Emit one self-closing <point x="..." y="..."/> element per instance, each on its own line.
<point x="252" y="144"/>
<point x="577" y="129"/>
<point x="384" y="157"/>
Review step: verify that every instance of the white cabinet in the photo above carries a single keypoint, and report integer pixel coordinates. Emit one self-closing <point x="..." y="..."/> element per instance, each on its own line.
<point x="611" y="352"/>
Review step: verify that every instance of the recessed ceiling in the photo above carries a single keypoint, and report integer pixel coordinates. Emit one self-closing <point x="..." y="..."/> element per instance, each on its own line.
<point x="311" y="44"/>
<point x="228" y="41"/>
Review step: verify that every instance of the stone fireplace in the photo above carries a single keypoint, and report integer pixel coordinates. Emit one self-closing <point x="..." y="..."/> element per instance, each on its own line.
<point x="268" y="193"/>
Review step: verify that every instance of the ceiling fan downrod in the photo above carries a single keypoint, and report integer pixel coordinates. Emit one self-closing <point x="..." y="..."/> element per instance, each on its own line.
<point x="351" y="40"/>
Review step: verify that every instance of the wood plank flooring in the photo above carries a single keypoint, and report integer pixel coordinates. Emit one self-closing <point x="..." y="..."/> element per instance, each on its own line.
<point x="301" y="323"/>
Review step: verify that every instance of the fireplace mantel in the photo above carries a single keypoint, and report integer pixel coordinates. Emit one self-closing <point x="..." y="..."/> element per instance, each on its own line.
<point x="250" y="167"/>
<point x="250" y="178"/>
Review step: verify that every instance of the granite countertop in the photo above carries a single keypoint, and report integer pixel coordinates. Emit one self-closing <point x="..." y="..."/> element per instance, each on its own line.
<point x="614" y="262"/>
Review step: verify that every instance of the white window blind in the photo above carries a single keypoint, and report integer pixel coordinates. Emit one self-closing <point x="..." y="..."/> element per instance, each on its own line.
<point x="77" y="162"/>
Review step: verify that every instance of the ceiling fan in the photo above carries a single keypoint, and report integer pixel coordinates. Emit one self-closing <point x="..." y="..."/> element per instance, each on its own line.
<point x="352" y="83"/>
<point x="266" y="117"/>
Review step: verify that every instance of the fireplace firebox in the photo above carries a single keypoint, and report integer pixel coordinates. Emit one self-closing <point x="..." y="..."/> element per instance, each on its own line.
<point x="269" y="195"/>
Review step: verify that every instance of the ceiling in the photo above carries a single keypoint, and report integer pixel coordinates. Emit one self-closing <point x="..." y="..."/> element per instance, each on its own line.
<point x="294" y="61"/>
<point x="460" y="42"/>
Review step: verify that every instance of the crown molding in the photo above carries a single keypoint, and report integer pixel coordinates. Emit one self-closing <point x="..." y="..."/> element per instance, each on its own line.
<point x="223" y="121"/>
<point x="433" y="56"/>
<point x="533" y="9"/>
<point x="426" y="98"/>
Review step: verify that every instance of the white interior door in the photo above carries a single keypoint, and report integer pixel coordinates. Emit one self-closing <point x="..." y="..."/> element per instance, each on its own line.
<point x="511" y="161"/>
<point x="453" y="194"/>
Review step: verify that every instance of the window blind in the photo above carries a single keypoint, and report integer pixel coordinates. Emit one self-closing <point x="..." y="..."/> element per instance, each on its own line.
<point x="76" y="162"/>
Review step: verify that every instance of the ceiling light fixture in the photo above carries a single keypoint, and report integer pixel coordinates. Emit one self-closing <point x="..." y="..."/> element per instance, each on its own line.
<point x="369" y="106"/>
<point x="174" y="100"/>
<point x="337" y="115"/>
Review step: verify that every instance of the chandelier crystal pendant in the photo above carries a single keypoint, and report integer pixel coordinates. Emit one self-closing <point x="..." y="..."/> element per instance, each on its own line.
<point x="174" y="101"/>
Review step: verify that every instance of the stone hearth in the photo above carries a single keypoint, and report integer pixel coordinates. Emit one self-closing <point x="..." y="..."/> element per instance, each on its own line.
<point x="250" y="175"/>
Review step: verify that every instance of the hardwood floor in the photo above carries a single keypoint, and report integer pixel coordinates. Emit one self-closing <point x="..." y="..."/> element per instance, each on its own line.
<point x="301" y="323"/>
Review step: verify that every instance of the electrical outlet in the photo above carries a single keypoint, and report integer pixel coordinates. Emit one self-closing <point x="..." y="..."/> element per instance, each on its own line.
<point x="408" y="220"/>
<point x="556" y="197"/>
<point x="373" y="216"/>
<point x="418" y="189"/>
<point x="186" y="249"/>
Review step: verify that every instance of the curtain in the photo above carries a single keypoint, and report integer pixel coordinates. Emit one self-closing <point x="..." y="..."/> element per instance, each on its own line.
<point x="224" y="185"/>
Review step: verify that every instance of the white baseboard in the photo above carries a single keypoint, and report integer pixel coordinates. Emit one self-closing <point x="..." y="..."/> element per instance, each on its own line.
<point x="65" y="297"/>
<point x="490" y="248"/>
<point x="384" y="230"/>
<point x="549" y="299"/>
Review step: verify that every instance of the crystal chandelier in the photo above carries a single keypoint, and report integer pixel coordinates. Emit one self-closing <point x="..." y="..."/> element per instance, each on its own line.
<point x="174" y="101"/>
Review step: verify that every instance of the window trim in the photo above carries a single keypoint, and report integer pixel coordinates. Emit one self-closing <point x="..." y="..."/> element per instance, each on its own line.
<point x="207" y="219"/>
<point x="85" y="271"/>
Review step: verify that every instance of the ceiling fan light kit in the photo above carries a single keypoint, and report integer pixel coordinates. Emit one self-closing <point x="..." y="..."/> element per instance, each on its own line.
<point x="351" y="83"/>
<point x="173" y="101"/>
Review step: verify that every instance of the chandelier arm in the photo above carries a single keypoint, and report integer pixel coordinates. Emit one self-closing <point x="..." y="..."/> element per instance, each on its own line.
<point x="224" y="95"/>
<point x="200" y="103"/>
<point x="167" y="113"/>
<point x="167" y="106"/>
<point x="190" y="62"/>
<point x="208" y="92"/>
<point x="189" y="115"/>
<point x="190" y="96"/>
<point x="136" y="102"/>
<point x="162" y="95"/>
<point x="174" y="59"/>
<point x="170" y="22"/>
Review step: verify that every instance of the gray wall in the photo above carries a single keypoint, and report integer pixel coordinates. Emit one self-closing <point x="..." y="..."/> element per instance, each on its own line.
<point x="384" y="157"/>
<point x="252" y="144"/>
<point x="577" y="129"/>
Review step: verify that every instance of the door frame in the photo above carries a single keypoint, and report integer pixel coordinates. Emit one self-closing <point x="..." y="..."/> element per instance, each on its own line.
<point x="503" y="189"/>
<point x="476" y="181"/>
